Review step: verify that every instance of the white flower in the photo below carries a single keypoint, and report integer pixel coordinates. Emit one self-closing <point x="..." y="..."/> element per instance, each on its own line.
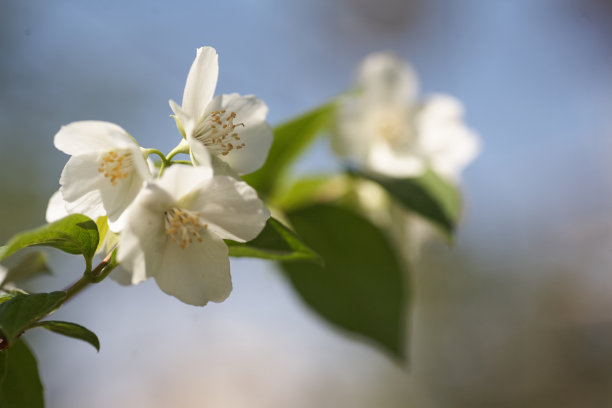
<point x="175" y="231"/>
<point x="231" y="127"/>
<point x="105" y="173"/>
<point x="56" y="209"/>
<point x="385" y="129"/>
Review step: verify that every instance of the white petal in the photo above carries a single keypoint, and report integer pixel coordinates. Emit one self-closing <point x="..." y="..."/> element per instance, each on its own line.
<point x="81" y="182"/>
<point x="200" y="155"/>
<point x="444" y="138"/>
<point x="256" y="134"/>
<point x="231" y="209"/>
<point x="383" y="159"/>
<point x="142" y="240"/>
<point x="181" y="181"/>
<point x="257" y="139"/>
<point x="352" y="139"/>
<point x="187" y="121"/>
<point x="198" y="273"/>
<point x="201" y="82"/>
<point x="91" y="136"/>
<point x="465" y="147"/>
<point x="84" y="187"/>
<point x="385" y="77"/>
<point x="56" y="209"/>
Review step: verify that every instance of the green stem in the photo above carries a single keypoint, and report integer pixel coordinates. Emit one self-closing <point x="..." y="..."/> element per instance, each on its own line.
<point x="149" y="152"/>
<point x="182" y="147"/>
<point x="91" y="276"/>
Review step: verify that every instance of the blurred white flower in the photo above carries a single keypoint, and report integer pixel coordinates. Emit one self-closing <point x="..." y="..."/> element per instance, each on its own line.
<point x="231" y="127"/>
<point x="105" y="173"/>
<point x="175" y="231"/>
<point x="385" y="129"/>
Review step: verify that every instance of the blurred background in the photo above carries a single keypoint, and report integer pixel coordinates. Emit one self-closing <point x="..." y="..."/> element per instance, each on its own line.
<point x="516" y="314"/>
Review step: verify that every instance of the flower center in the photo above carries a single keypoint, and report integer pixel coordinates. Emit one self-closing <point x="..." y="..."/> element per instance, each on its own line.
<point x="115" y="166"/>
<point x="216" y="132"/>
<point x="183" y="226"/>
<point x="390" y="126"/>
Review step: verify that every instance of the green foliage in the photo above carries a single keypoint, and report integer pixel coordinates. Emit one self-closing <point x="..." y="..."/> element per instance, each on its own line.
<point x="71" y="330"/>
<point x="276" y="242"/>
<point x="311" y="190"/>
<point x="102" y="225"/>
<point x="361" y="286"/>
<point x="22" y="311"/>
<point x="20" y="386"/>
<point x="75" y="234"/>
<point x="427" y="195"/>
<point x="32" y="264"/>
<point x="290" y="139"/>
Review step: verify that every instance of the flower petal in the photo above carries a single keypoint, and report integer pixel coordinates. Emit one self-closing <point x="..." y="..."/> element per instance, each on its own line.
<point x="201" y="82"/>
<point x="383" y="159"/>
<point x="256" y="134"/>
<point x="80" y="184"/>
<point x="91" y="136"/>
<point x="142" y="240"/>
<point x="386" y="78"/>
<point x="56" y="209"/>
<point x="180" y="181"/>
<point x="198" y="273"/>
<point x="85" y="188"/>
<point x="444" y="138"/>
<point x="231" y="209"/>
<point x="200" y="156"/>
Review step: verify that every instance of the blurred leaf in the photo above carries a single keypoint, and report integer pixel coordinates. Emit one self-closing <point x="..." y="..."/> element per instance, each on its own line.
<point x="290" y="139"/>
<point x="276" y="242"/>
<point x="102" y="224"/>
<point x="75" y="234"/>
<point x="21" y="386"/>
<point x="312" y="190"/>
<point x="22" y="311"/>
<point x="32" y="264"/>
<point x="429" y="195"/>
<point x="3" y="364"/>
<point x="71" y="330"/>
<point x="361" y="288"/>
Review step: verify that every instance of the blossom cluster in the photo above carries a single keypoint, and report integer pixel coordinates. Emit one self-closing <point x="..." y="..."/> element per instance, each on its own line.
<point x="171" y="221"/>
<point x="387" y="129"/>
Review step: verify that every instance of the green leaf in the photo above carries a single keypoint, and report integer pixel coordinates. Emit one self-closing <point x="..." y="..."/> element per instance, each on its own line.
<point x="21" y="386"/>
<point x="361" y="288"/>
<point x="312" y="190"/>
<point x="102" y="225"/>
<point x="32" y="264"/>
<point x="290" y="139"/>
<point x="71" y="330"/>
<point x="3" y="364"/>
<point x="276" y="242"/>
<point x="75" y="234"/>
<point x="22" y="311"/>
<point x="429" y="195"/>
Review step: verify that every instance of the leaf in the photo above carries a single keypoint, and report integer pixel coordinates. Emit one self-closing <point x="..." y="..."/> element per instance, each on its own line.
<point x="75" y="234"/>
<point x="276" y="242"/>
<point x="22" y="311"/>
<point x="71" y="330"/>
<point x="21" y="386"/>
<point x="102" y="225"/>
<point x="290" y="139"/>
<point x="32" y="264"/>
<point x="428" y="195"/>
<point x="361" y="288"/>
<point x="311" y="190"/>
